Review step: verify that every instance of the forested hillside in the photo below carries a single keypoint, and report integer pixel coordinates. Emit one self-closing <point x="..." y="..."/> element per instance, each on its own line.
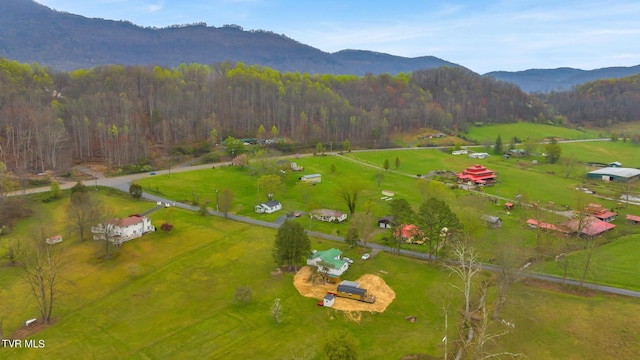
<point x="128" y="115"/>
<point x="601" y="103"/>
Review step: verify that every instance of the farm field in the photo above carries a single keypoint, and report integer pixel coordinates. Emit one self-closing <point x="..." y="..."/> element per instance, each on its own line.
<point x="171" y="296"/>
<point x="538" y="132"/>
<point x="614" y="264"/>
<point x="516" y="176"/>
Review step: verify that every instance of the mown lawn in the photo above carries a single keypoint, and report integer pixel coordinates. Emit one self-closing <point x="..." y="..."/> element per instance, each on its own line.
<point x="171" y="296"/>
<point x="537" y="132"/>
<point x="603" y="152"/>
<point x="614" y="264"/>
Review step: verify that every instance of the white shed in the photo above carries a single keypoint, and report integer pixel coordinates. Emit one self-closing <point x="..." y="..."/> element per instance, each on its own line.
<point x="329" y="299"/>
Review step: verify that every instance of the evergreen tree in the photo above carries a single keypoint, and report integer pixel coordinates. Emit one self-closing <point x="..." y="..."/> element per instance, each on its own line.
<point x="497" y="149"/>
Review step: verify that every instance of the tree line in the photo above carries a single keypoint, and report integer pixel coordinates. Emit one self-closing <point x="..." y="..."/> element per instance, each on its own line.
<point x="134" y="114"/>
<point x="601" y="103"/>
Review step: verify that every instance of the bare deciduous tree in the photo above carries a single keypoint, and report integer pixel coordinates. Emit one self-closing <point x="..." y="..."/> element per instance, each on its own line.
<point x="106" y="230"/>
<point x="83" y="212"/>
<point x="508" y="259"/>
<point x="43" y="266"/>
<point x="226" y="200"/>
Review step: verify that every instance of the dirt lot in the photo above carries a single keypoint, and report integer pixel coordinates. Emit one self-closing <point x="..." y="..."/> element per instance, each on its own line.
<point x="374" y="284"/>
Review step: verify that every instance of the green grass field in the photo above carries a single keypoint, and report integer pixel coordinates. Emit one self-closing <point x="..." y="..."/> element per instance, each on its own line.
<point x="170" y="295"/>
<point x="522" y="130"/>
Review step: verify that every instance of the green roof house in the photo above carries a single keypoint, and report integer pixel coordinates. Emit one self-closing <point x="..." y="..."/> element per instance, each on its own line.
<point x="336" y="265"/>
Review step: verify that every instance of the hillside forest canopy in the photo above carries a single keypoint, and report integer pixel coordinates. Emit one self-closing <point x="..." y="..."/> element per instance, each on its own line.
<point x="133" y="114"/>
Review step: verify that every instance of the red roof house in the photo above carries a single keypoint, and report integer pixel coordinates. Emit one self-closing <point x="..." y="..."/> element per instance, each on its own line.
<point x="533" y="223"/>
<point x="476" y="174"/>
<point x="599" y="212"/>
<point x="633" y="219"/>
<point x="118" y="231"/>
<point x="410" y="233"/>
<point x="590" y="226"/>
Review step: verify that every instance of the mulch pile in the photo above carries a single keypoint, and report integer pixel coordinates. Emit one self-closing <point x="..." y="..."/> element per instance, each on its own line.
<point x="374" y="285"/>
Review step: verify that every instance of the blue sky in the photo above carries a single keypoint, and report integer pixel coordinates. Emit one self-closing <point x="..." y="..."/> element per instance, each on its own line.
<point x="482" y="35"/>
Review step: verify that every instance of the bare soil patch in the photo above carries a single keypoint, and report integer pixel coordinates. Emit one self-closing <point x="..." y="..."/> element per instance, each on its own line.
<point x="373" y="283"/>
<point x="549" y="286"/>
<point x="26" y="331"/>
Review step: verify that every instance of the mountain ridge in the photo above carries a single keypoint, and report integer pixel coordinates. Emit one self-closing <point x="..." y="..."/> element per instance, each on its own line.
<point x="63" y="41"/>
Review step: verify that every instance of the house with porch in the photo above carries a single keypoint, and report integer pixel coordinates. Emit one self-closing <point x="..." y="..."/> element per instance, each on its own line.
<point x="269" y="207"/>
<point x="411" y="234"/>
<point x="329" y="262"/>
<point x="588" y="227"/>
<point x="119" y="231"/>
<point x="328" y="215"/>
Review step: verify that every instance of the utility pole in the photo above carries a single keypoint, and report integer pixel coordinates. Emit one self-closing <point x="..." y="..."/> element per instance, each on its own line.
<point x="217" y="206"/>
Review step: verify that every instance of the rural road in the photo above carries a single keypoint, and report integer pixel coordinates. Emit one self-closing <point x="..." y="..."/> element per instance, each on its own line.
<point x="122" y="183"/>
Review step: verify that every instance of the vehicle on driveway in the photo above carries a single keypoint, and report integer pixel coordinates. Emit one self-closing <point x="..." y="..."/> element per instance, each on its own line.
<point x="347" y="260"/>
<point x="366" y="256"/>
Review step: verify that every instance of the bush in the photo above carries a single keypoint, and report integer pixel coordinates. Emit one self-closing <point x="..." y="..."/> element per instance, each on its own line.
<point x="242" y="295"/>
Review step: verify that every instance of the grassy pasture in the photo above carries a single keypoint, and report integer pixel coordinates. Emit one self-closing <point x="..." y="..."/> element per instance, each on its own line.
<point x="536" y="182"/>
<point x="603" y="152"/>
<point x="170" y="296"/>
<point x="614" y="263"/>
<point x="537" y="132"/>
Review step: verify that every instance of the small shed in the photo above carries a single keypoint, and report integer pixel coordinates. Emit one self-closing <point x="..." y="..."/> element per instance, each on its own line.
<point x="633" y="219"/>
<point x="615" y="164"/>
<point x="328" y="300"/>
<point x="386" y="222"/>
<point x="493" y="222"/>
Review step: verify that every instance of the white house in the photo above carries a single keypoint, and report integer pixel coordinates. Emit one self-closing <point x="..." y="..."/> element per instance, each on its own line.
<point x="121" y="230"/>
<point x="460" y="152"/>
<point x="328" y="215"/>
<point x="478" y="156"/>
<point x="336" y="265"/>
<point x="269" y="207"/>
<point x="311" y="178"/>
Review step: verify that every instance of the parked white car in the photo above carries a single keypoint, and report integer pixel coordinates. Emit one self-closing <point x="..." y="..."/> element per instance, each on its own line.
<point x="347" y="260"/>
<point x="365" y="256"/>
